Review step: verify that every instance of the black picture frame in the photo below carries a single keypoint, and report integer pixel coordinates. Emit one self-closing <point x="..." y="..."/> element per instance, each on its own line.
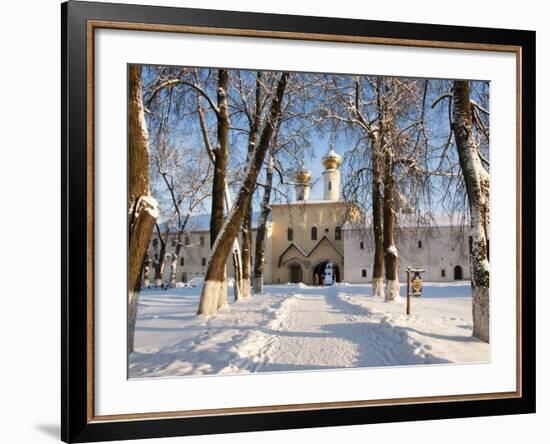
<point x="77" y="424"/>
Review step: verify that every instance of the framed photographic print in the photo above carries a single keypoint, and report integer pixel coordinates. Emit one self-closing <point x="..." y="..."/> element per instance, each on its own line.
<point x="276" y="221"/>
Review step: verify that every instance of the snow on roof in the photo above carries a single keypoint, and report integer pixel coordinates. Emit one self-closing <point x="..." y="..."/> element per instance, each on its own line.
<point x="308" y="202"/>
<point x="415" y="221"/>
<point x="201" y="222"/>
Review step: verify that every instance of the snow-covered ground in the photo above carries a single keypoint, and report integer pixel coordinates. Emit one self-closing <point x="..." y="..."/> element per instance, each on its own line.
<point x="297" y="327"/>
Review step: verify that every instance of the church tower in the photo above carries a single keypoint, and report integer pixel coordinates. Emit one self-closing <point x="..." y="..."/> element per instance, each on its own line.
<point x="331" y="176"/>
<point x="303" y="186"/>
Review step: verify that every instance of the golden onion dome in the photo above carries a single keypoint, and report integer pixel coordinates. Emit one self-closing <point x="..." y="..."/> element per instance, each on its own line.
<point x="303" y="176"/>
<point x="332" y="160"/>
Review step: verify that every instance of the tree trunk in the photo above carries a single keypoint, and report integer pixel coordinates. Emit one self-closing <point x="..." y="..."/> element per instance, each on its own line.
<point x="259" y="255"/>
<point x="387" y="152"/>
<point x="476" y="179"/>
<point x="246" y="251"/>
<point x="247" y="221"/>
<point x="177" y="252"/>
<point x="147" y="272"/>
<point x="173" y="269"/>
<point x="142" y="208"/>
<point x="390" y="250"/>
<point x="161" y="258"/>
<point x="236" y="254"/>
<point x="219" y="182"/>
<point x="377" y="219"/>
<point x="222" y="246"/>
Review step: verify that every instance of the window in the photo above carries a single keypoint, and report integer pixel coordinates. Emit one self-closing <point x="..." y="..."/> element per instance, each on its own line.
<point x="338" y="233"/>
<point x="419" y="244"/>
<point x="443" y="273"/>
<point x="174" y="242"/>
<point x="361" y="245"/>
<point x="314" y="233"/>
<point x="155" y="242"/>
<point x="290" y="234"/>
<point x="471" y="243"/>
<point x="204" y="262"/>
<point x="201" y="241"/>
<point x="187" y="240"/>
<point x="182" y="261"/>
<point x="329" y="185"/>
<point x="363" y="273"/>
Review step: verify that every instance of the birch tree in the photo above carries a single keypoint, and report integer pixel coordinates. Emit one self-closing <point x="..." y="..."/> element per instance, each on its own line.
<point x="142" y="208"/>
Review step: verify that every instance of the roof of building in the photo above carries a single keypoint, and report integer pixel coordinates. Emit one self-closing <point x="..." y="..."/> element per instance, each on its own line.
<point x="308" y="202"/>
<point x="424" y="221"/>
<point x="201" y="222"/>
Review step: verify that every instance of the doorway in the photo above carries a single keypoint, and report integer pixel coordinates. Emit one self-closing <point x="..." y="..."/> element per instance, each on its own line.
<point x="295" y="273"/>
<point x="458" y="273"/>
<point x="319" y="271"/>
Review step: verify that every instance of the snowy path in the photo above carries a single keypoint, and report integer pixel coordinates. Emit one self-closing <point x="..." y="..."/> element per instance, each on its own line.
<point x="305" y="340"/>
<point x="296" y="327"/>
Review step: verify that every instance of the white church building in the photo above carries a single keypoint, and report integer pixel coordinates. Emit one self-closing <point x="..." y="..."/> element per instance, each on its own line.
<point x="304" y="236"/>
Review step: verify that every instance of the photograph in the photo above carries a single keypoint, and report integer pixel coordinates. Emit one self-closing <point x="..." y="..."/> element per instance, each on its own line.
<point x="284" y="221"/>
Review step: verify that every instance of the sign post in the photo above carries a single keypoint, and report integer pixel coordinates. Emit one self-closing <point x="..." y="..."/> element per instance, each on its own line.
<point x="408" y="290"/>
<point x="416" y="284"/>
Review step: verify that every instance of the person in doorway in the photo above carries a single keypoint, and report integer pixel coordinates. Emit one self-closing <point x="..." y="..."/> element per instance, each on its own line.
<point x="316" y="279"/>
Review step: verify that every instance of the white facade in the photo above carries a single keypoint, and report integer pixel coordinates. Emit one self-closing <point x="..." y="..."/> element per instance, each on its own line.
<point x="442" y="251"/>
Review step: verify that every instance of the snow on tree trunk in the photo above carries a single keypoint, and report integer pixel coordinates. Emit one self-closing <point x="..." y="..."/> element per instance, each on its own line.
<point x="476" y="179"/>
<point x="222" y="294"/>
<point x="230" y="229"/>
<point x="142" y="208"/>
<point x="259" y="255"/>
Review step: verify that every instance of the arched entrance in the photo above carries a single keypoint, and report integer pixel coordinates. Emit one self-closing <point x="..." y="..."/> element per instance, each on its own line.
<point x="319" y="271"/>
<point x="295" y="272"/>
<point x="458" y="273"/>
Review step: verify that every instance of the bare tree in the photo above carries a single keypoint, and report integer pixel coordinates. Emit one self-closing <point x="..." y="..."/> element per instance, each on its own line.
<point x="142" y="208"/>
<point x="214" y="284"/>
